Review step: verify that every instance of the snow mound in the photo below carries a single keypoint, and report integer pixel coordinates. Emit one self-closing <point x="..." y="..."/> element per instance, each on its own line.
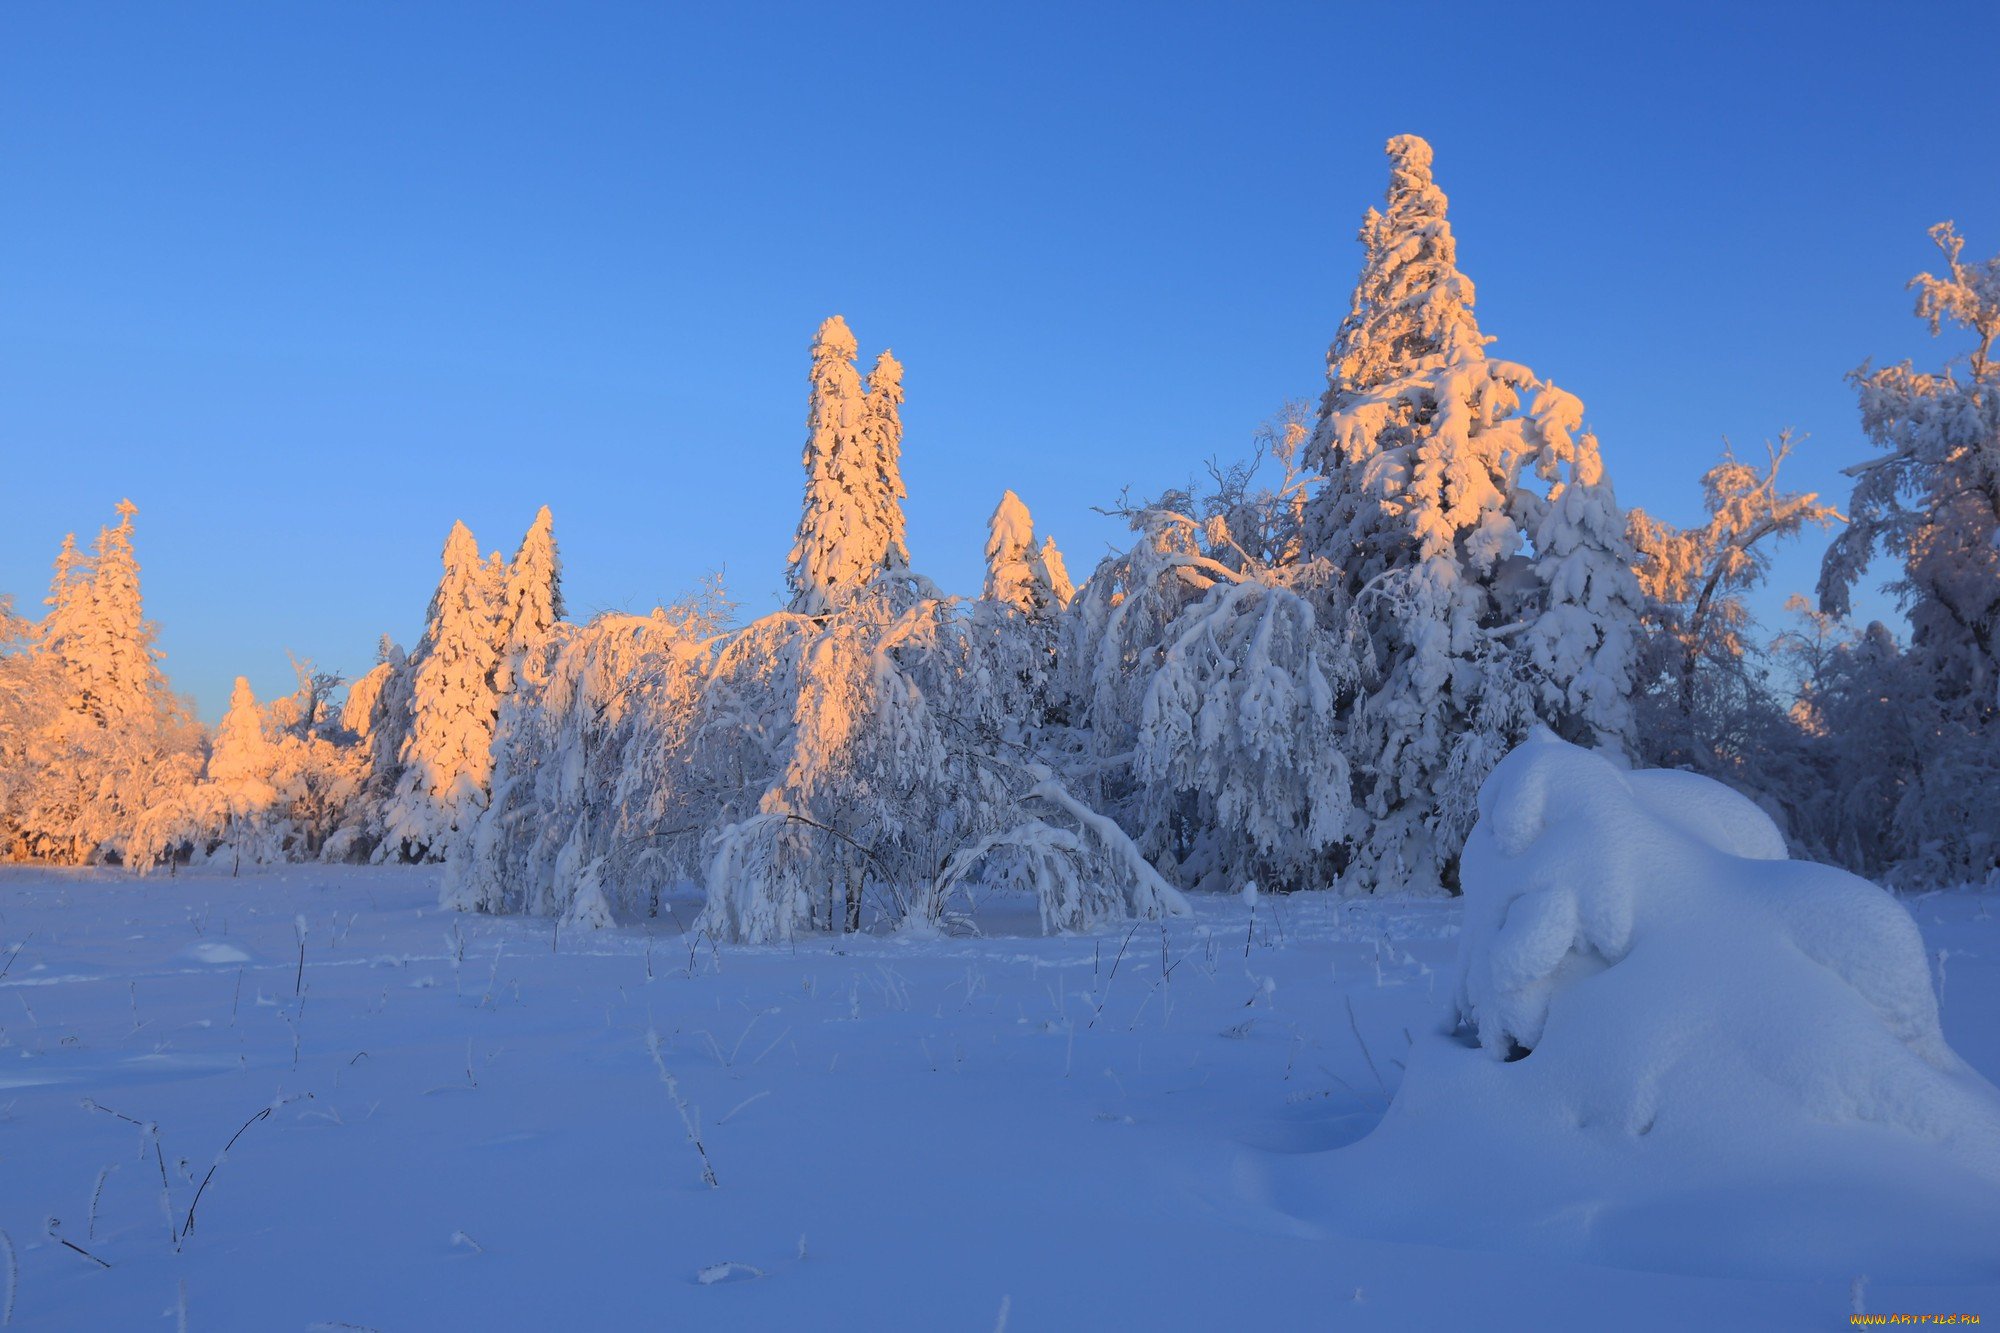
<point x="215" y="952"/>
<point x="1671" y="1047"/>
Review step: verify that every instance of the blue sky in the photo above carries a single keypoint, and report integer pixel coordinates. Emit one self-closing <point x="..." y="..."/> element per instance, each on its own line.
<point x="308" y="282"/>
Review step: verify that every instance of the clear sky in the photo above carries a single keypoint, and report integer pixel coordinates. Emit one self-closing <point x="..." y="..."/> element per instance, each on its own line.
<point x="309" y="281"/>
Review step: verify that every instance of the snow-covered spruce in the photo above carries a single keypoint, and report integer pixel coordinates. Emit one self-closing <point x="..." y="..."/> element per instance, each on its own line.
<point x="531" y="602"/>
<point x="96" y="738"/>
<point x="446" y="757"/>
<point x="851" y="522"/>
<point x="1480" y="551"/>
<point x="1017" y="623"/>
<point x="487" y="623"/>
<point x="242" y="766"/>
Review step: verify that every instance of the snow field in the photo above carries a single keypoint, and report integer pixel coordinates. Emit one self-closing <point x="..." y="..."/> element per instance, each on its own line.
<point x="903" y="1133"/>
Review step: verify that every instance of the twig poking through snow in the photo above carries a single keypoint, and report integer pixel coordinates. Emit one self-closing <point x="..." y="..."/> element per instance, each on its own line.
<point x="149" y="1134"/>
<point x="299" y="981"/>
<point x="492" y="977"/>
<point x="53" y="1226"/>
<point x="1356" y="1028"/>
<point x="1105" y="995"/>
<point x="14" y="953"/>
<point x="740" y="1105"/>
<point x="96" y="1193"/>
<point x="680" y="1104"/>
<point x="187" y="1226"/>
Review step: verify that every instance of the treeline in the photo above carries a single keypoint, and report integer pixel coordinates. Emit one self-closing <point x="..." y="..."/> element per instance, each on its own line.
<point x="1299" y="674"/>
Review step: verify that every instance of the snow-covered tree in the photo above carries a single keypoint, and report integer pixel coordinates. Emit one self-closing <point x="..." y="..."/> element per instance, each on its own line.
<point x="242" y="763"/>
<point x="376" y="717"/>
<point x="118" y="740"/>
<point x="1480" y="551"/>
<point x="1055" y="574"/>
<point x="882" y="434"/>
<point x="446" y="756"/>
<point x="32" y="696"/>
<point x="1931" y="500"/>
<point x="1017" y="619"/>
<point x="886" y="785"/>
<point x="851" y="524"/>
<point x="1010" y="549"/>
<point x="1113" y="639"/>
<point x="594" y="801"/>
<point x="125" y="679"/>
<point x="1697" y="669"/>
<point x="851" y="743"/>
<point x="531" y="602"/>
<point x="1028" y="578"/>
<point x="1238" y="750"/>
<point x="1208" y="682"/>
<point x="65" y="631"/>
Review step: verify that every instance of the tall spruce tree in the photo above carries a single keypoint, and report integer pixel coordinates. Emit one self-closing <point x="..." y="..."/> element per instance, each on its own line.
<point x="447" y="751"/>
<point x="1480" y="550"/>
<point x="1019" y="574"/>
<point x="882" y="432"/>
<point x="123" y="664"/>
<point x="851" y="523"/>
<point x="64" y="634"/>
<point x="241" y="765"/>
<point x="531" y="602"/>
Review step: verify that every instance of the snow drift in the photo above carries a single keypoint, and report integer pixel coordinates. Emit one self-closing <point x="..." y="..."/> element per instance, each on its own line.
<point x="1671" y="1047"/>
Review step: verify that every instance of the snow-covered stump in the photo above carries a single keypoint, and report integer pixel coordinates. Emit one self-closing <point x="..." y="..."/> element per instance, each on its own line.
<point x="1671" y="1047"/>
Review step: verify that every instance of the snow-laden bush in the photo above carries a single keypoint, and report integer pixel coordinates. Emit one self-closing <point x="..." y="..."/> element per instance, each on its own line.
<point x="1675" y="1048"/>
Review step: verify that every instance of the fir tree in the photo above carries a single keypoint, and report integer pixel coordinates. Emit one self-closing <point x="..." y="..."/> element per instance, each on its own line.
<point x="1055" y="574"/>
<point x="531" y="602"/>
<point x="241" y="765"/>
<point x="446" y="756"/>
<point x="1010" y="550"/>
<point x="882" y="431"/>
<point x="1480" y="551"/>
<point x="1019" y="574"/>
<point x="851" y="523"/>
<point x="124" y="665"/>
<point x="64" y="636"/>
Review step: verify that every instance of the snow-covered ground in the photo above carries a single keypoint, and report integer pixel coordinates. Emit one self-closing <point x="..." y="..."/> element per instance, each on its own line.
<point x="1128" y="1130"/>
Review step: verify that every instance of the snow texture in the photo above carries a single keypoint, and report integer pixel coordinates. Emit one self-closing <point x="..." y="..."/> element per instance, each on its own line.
<point x="906" y="1131"/>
